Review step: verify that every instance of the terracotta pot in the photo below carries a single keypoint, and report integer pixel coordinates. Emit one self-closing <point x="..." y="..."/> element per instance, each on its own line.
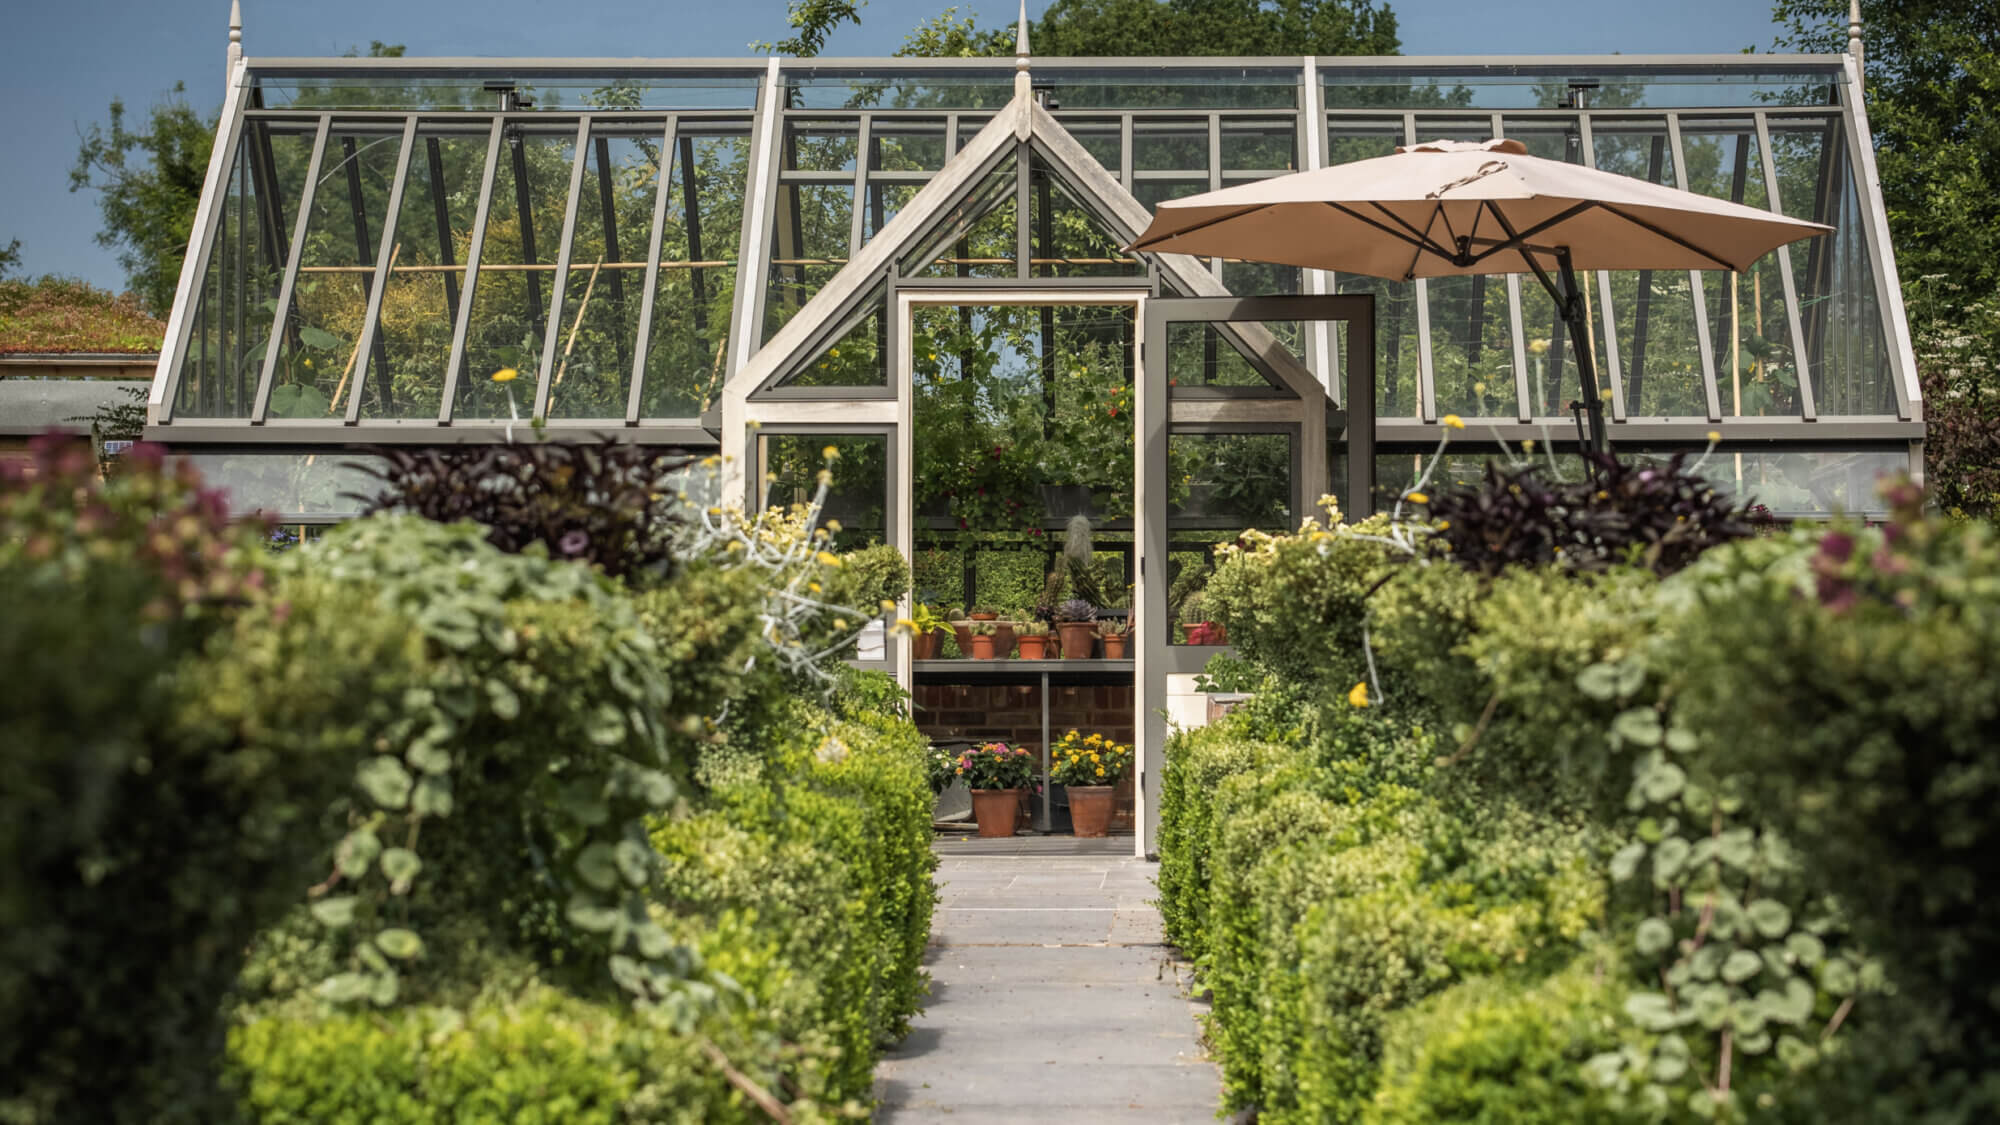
<point x="925" y="646"/>
<point x="1114" y="647"/>
<point x="984" y="616"/>
<point x="982" y="647"/>
<point x="1090" y="808"/>
<point x="962" y="632"/>
<point x="995" y="810"/>
<point x="1077" y="639"/>
<point x="1033" y="648"/>
<point x="1003" y="639"/>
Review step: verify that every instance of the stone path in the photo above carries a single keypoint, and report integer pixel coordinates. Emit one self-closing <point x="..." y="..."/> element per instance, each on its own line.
<point x="1052" y="995"/>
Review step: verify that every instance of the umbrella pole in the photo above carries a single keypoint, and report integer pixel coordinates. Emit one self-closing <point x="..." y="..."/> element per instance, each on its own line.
<point x="1570" y="301"/>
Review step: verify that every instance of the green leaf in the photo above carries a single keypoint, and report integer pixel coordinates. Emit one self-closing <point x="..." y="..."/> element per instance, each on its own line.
<point x="1605" y="1070"/>
<point x="1663" y="782"/>
<point x="1652" y="1011"/>
<point x="1670" y="859"/>
<point x="1625" y="861"/>
<point x="635" y="862"/>
<point x="583" y="802"/>
<point x="588" y="914"/>
<point x="506" y="704"/>
<point x="1681" y="740"/>
<point x="346" y="988"/>
<point x="1807" y="949"/>
<point x="429" y="758"/>
<point x="1837" y="976"/>
<point x="1668" y="1068"/>
<point x="598" y="864"/>
<point x="1653" y="937"/>
<point x="606" y="726"/>
<point x="382" y="989"/>
<point x="1711" y="1005"/>
<point x="371" y="957"/>
<point x="1737" y="848"/>
<point x="357" y="853"/>
<point x="433" y="796"/>
<point x="401" y="866"/>
<point x="1795" y="1053"/>
<point x="1707" y="961"/>
<point x="385" y="781"/>
<point x="1741" y="966"/>
<point x="1639" y="726"/>
<point x="1771" y="917"/>
<point x="333" y="913"/>
<point x="653" y="941"/>
<point x="1754" y="1042"/>
<point x="399" y="943"/>
<point x="317" y="338"/>
<point x="1599" y="681"/>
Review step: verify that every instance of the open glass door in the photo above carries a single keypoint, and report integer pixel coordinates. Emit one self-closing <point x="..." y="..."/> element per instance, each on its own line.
<point x="1236" y="433"/>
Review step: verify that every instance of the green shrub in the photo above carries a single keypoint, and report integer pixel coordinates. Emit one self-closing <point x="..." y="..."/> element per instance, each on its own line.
<point x="1500" y="1050"/>
<point x="140" y="855"/>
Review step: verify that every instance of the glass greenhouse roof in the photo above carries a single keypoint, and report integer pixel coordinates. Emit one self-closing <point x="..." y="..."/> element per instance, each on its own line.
<point x="379" y="237"/>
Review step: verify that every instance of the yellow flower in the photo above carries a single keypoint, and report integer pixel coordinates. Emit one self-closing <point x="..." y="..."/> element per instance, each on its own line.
<point x="828" y="558"/>
<point x="506" y="375"/>
<point x="1714" y="436"/>
<point x="1358" y="694"/>
<point x="1417" y="498"/>
<point x="1453" y="421"/>
<point x="1100" y="771"/>
<point x="1528" y="445"/>
<point x="831" y="453"/>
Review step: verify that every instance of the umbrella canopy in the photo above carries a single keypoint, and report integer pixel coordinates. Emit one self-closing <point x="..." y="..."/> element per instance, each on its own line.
<point x="1453" y="208"/>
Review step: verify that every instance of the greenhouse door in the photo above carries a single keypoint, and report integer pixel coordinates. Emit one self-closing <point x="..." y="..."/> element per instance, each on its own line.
<point x="1236" y="433"/>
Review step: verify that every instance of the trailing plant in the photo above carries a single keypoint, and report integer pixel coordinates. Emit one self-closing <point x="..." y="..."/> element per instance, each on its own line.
<point x="607" y="503"/>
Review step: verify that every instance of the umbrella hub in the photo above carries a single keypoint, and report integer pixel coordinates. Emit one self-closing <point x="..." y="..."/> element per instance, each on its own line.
<point x="1499" y="144"/>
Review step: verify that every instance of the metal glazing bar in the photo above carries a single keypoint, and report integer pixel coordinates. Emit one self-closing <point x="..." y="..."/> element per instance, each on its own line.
<point x="1215" y="173"/>
<point x="1808" y="408"/>
<point x="524" y="212"/>
<point x="1881" y="256"/>
<point x="262" y="403"/>
<point x="233" y="356"/>
<point x="1426" y="373"/>
<point x="474" y="251"/>
<point x="652" y="288"/>
<point x="1610" y="318"/>
<point x="1701" y="330"/>
<point x="264" y="174"/>
<point x="1322" y="350"/>
<point x="1516" y="325"/>
<point x="863" y="159"/>
<point x="691" y="220"/>
<point x="607" y="202"/>
<point x="1643" y="293"/>
<point x="950" y="135"/>
<point x="1023" y="207"/>
<point x="1125" y="151"/>
<point x="373" y="356"/>
<point x="434" y="153"/>
<point x="559" y="288"/>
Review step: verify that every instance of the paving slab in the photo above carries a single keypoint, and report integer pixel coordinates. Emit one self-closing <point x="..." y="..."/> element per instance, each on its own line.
<point x="1052" y="996"/>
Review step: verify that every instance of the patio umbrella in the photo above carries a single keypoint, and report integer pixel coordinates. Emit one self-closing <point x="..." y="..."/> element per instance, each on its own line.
<point x="1452" y="209"/>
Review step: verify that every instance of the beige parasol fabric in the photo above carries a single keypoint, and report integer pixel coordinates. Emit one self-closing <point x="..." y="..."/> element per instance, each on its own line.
<point x="1452" y="208"/>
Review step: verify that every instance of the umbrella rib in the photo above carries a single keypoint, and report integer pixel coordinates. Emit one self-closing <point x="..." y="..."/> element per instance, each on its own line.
<point x="1521" y="239"/>
<point x="1671" y="237"/>
<point x="1357" y="216"/>
<point x="1200" y="226"/>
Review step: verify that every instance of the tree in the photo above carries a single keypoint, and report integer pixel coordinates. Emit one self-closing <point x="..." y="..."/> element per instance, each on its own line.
<point x="10" y="258"/>
<point x="811" y="22"/>
<point x="1933" y="83"/>
<point x="149" y="182"/>
<point x="1215" y="27"/>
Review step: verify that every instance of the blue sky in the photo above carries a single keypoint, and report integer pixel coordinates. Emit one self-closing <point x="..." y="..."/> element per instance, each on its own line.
<point x="62" y="61"/>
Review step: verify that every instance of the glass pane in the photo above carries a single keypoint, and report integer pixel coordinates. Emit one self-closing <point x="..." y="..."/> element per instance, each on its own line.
<point x="697" y="282"/>
<point x="1099" y="138"/>
<point x="885" y="201"/>
<point x="1552" y="372"/>
<point x="858" y="359"/>
<point x="288" y="484"/>
<point x="1755" y="370"/>
<point x="317" y="353"/>
<point x="1219" y="485"/>
<point x="1846" y="349"/>
<point x="230" y="325"/>
<point x="607" y="274"/>
<point x="1177" y="146"/>
<point x="1219" y="355"/>
<point x="1259" y="146"/>
<point x="510" y="308"/>
<point x="977" y="238"/>
<point x="1806" y="483"/>
<point x="858" y="497"/>
<point x="1067" y="238"/>
<point x="817" y="146"/>
<point x="906" y="146"/>
<point x="809" y="242"/>
<point x="404" y="375"/>
<point x="1472" y="355"/>
<point x="1395" y="301"/>
<point x="1659" y="350"/>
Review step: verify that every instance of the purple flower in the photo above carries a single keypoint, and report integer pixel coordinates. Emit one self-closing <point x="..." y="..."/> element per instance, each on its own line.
<point x="573" y="542"/>
<point x="1837" y="546"/>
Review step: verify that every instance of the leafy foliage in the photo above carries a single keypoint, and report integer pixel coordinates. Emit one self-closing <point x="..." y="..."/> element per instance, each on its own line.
<point x="1173" y="28"/>
<point x="605" y="503"/>
<point x="57" y="314"/>
<point x="1660" y="517"/>
<point x="1958" y="359"/>
<point x="149" y="183"/>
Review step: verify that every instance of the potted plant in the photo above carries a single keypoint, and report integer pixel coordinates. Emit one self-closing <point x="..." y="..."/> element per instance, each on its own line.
<point x="996" y="773"/>
<point x="1076" y="620"/>
<point x="940" y="768"/>
<point x="928" y="628"/>
<point x="981" y="633"/>
<point x="1034" y="639"/>
<point x="982" y="613"/>
<point x="1113" y="634"/>
<point x="1090" y="768"/>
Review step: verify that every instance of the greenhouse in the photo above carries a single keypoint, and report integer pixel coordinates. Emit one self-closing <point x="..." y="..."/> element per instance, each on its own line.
<point x="922" y="265"/>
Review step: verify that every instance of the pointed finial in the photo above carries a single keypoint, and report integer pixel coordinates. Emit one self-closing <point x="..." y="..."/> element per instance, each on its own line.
<point x="1854" y="33"/>
<point x="235" y="40"/>
<point x="1023" y="87"/>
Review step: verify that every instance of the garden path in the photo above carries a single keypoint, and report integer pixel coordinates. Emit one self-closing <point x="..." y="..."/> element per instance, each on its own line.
<point x="1053" y="996"/>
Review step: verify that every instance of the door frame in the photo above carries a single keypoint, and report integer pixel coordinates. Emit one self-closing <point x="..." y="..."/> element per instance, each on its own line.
<point x="1157" y="657"/>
